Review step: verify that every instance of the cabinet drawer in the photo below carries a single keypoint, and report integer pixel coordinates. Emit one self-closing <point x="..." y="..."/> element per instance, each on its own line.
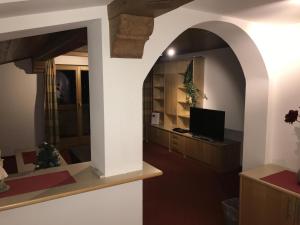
<point x="177" y="143"/>
<point x="194" y="149"/>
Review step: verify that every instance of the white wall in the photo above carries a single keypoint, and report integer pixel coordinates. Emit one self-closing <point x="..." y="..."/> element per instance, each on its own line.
<point x="18" y="112"/>
<point x="224" y="85"/>
<point x="116" y="205"/>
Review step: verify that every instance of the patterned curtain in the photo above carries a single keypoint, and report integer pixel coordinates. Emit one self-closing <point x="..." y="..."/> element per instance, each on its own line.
<point x="50" y="104"/>
<point x="147" y="105"/>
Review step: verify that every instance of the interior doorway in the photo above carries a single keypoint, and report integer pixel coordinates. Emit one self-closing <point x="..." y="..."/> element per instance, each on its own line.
<point x="193" y="174"/>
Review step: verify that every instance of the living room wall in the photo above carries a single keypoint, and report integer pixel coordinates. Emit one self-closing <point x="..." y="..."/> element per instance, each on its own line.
<point x="224" y="85"/>
<point x="21" y="123"/>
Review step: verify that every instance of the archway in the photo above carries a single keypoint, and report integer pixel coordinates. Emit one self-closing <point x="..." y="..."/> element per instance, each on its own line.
<point x="257" y="88"/>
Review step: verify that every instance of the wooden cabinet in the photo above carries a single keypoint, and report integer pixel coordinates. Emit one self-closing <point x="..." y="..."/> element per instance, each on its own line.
<point x="169" y="93"/>
<point x="159" y="136"/>
<point x="177" y="143"/>
<point x="220" y="156"/>
<point x="265" y="204"/>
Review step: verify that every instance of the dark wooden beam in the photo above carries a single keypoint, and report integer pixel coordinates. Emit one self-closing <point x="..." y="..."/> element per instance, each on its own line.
<point x="59" y="44"/>
<point x="148" y="8"/>
<point x="131" y="23"/>
<point x="42" y="47"/>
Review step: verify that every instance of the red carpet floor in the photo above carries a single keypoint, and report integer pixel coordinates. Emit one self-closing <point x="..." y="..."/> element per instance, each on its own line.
<point x="188" y="193"/>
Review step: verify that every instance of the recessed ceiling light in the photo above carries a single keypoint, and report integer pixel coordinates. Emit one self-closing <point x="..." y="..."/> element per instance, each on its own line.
<point x="171" y="52"/>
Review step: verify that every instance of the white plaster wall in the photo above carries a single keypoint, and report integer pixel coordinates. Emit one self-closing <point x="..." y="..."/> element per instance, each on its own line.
<point x="18" y="108"/>
<point x="224" y="85"/>
<point x="280" y="46"/>
<point x="116" y="205"/>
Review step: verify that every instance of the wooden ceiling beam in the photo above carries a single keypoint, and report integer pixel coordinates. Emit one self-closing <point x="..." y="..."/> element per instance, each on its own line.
<point x="131" y="24"/>
<point x="61" y="43"/>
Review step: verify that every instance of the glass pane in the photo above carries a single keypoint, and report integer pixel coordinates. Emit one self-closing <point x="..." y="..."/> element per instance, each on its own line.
<point x="85" y="87"/>
<point x="85" y="102"/>
<point x="66" y="87"/>
<point x="86" y="120"/>
<point x="68" y="122"/>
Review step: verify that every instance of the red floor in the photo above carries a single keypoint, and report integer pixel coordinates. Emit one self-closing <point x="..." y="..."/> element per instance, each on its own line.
<point x="187" y="194"/>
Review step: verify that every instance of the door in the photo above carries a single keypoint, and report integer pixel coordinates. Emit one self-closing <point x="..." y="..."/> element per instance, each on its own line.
<point x="72" y="84"/>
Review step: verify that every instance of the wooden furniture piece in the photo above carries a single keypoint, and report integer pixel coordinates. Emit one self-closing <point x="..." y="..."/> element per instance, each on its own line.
<point x="262" y="203"/>
<point x="220" y="156"/>
<point x="86" y="180"/>
<point x="73" y="105"/>
<point x="169" y="94"/>
<point x="30" y="167"/>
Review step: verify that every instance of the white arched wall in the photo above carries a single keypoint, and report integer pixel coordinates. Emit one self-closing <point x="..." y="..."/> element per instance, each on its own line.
<point x="257" y="88"/>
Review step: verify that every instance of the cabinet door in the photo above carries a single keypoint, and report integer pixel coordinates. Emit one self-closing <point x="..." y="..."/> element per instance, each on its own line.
<point x="178" y="143"/>
<point x="263" y="205"/>
<point x="209" y="154"/>
<point x="194" y="149"/>
<point x="159" y="136"/>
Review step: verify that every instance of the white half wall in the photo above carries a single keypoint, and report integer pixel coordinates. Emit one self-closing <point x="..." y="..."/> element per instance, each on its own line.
<point x="21" y="121"/>
<point x="116" y="205"/>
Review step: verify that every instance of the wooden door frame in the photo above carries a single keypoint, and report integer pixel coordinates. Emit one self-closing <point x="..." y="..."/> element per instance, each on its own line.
<point x="80" y="138"/>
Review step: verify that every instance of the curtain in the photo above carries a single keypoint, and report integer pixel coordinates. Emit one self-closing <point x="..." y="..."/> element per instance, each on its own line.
<point x="50" y="104"/>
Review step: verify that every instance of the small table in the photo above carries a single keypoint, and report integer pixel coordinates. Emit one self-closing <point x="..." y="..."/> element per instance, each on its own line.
<point x="29" y="167"/>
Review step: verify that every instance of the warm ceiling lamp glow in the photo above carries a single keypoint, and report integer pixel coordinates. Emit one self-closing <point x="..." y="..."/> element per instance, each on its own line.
<point x="171" y="52"/>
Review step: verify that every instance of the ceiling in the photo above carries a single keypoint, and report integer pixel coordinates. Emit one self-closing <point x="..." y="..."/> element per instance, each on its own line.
<point x="269" y="11"/>
<point x="45" y="46"/>
<point x="197" y="40"/>
<point x="10" y="8"/>
<point x="275" y="11"/>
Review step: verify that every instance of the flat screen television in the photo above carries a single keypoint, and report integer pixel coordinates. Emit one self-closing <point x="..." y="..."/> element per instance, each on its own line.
<point x="207" y="123"/>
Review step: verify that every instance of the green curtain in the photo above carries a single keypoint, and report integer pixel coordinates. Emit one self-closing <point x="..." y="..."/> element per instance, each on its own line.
<point x="50" y="103"/>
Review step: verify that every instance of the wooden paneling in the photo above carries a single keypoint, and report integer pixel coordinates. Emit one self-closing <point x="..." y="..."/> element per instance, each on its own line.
<point x="219" y="156"/>
<point x="177" y="143"/>
<point x="42" y="47"/>
<point x="159" y="136"/>
<point x="171" y="94"/>
<point x="262" y="205"/>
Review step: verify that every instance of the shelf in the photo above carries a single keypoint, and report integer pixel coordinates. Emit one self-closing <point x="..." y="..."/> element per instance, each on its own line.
<point x="158" y="99"/>
<point x="184" y="116"/>
<point x="159" y="111"/>
<point x="159" y="87"/>
<point x="168" y="114"/>
<point x="183" y="102"/>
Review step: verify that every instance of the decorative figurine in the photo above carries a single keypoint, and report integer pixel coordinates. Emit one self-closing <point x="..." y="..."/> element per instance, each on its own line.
<point x="47" y="156"/>
<point x="3" y="186"/>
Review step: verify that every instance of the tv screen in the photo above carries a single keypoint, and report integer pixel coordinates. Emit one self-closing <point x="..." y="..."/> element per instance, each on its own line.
<point x="207" y="123"/>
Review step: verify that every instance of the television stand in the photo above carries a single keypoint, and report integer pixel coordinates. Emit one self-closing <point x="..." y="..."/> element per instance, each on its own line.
<point x="203" y="138"/>
<point x="221" y="156"/>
